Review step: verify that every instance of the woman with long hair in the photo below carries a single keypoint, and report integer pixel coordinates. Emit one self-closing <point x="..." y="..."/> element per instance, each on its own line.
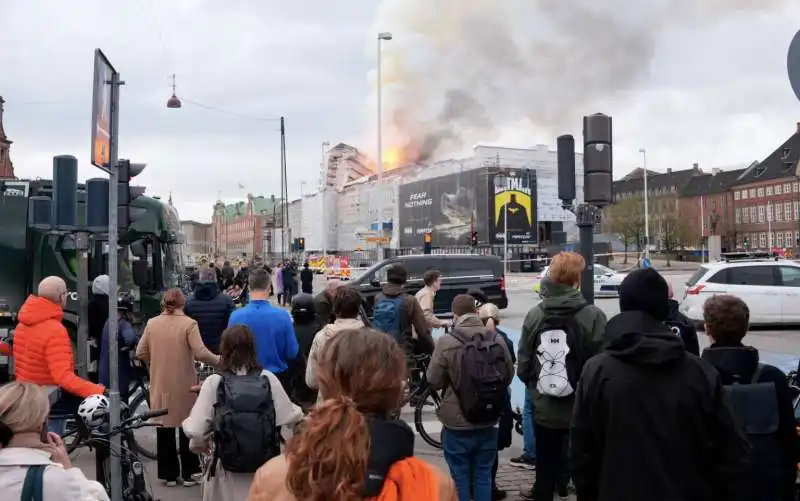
<point x="170" y="344"/>
<point x="29" y="454"/>
<point x="237" y="353"/>
<point x="348" y="448"/>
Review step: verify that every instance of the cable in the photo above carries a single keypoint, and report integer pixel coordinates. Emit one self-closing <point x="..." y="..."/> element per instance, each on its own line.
<point x="227" y="112"/>
<point x="151" y="9"/>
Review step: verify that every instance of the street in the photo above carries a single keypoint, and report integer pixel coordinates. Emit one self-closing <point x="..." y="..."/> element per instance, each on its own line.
<point x="779" y="347"/>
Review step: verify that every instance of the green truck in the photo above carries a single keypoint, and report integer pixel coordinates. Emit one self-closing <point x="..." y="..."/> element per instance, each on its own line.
<point x="149" y="255"/>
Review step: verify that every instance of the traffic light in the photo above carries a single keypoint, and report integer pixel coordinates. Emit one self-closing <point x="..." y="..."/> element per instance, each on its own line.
<point x="301" y="244"/>
<point x="473" y="239"/>
<point x="126" y="214"/>
<point x="428" y="244"/>
<point x="598" y="162"/>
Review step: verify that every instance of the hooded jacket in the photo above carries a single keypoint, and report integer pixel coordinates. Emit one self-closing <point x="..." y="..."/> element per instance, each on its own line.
<point x="305" y="328"/>
<point x="650" y="421"/>
<point x="320" y="340"/>
<point x="557" y="300"/>
<point x="42" y="349"/>
<point x="688" y="333"/>
<point x="736" y="362"/>
<point x="412" y="320"/>
<point x="211" y="310"/>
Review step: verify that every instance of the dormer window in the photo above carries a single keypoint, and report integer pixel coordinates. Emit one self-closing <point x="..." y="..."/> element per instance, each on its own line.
<point x="785" y="153"/>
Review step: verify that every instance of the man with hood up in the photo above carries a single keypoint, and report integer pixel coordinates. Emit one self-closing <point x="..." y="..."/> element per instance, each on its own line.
<point x="210" y="309"/>
<point x="305" y="327"/>
<point x="650" y="420"/>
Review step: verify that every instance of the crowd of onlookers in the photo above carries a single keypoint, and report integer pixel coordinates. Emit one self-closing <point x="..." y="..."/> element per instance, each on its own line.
<point x="304" y="404"/>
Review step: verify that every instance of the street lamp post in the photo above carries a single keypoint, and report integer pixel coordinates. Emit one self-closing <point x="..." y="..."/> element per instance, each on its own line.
<point x="646" y="208"/>
<point x="383" y="35"/>
<point x="325" y="232"/>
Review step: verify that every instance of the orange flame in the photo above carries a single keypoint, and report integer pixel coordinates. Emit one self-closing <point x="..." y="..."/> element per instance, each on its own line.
<point x="392" y="158"/>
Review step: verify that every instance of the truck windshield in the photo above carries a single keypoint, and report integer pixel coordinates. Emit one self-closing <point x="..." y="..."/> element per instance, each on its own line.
<point x="173" y="264"/>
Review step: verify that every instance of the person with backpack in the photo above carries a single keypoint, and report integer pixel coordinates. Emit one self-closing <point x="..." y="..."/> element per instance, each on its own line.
<point x="474" y="368"/>
<point x="558" y="336"/>
<point x="650" y="420"/>
<point x="243" y="411"/>
<point x="346" y="307"/>
<point x="760" y="398"/>
<point x="681" y="325"/>
<point x="305" y="329"/>
<point x="400" y="315"/>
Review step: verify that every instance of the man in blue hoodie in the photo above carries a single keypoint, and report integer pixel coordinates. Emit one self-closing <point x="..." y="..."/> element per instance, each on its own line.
<point x="272" y="328"/>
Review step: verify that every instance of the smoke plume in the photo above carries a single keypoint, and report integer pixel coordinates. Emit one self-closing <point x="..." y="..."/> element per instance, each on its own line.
<point x="461" y="71"/>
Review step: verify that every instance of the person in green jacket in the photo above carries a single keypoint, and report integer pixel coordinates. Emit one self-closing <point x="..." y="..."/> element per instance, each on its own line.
<point x="563" y="308"/>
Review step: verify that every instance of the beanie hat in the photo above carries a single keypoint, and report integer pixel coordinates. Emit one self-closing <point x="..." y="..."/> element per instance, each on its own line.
<point x="645" y="290"/>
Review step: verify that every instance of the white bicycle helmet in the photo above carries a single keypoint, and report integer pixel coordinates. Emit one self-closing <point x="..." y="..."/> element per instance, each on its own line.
<point x="93" y="410"/>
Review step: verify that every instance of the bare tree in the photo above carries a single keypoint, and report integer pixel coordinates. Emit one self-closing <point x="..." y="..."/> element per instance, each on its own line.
<point x="625" y="220"/>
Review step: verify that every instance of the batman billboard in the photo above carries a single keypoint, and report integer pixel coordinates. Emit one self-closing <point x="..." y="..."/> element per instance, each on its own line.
<point x="512" y="206"/>
<point x="448" y="207"/>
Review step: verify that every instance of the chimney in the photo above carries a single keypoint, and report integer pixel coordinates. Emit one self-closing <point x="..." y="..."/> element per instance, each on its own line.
<point x="669" y="170"/>
<point x="695" y="166"/>
<point x="715" y="171"/>
<point x="798" y="126"/>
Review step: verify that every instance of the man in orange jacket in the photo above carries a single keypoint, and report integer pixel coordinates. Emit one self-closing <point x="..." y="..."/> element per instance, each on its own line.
<point x="42" y="349"/>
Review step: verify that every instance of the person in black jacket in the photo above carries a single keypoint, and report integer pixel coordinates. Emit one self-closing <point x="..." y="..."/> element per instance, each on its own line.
<point x="305" y="328"/>
<point x="210" y="308"/>
<point x="650" y="420"/>
<point x="307" y="279"/>
<point x="726" y="321"/>
<point x="681" y="325"/>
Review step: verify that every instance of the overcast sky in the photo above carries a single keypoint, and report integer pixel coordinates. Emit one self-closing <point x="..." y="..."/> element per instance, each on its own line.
<point x="710" y="87"/>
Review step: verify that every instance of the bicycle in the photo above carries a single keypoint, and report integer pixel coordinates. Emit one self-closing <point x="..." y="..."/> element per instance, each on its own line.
<point x="134" y="482"/>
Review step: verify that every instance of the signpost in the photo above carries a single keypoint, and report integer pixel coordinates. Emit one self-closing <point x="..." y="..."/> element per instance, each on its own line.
<point x="104" y="155"/>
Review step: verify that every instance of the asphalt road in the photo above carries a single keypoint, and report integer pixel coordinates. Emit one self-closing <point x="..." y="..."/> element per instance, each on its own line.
<point x="778" y="347"/>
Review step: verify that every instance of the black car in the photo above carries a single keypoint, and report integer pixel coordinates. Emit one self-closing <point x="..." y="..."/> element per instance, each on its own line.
<point x="460" y="273"/>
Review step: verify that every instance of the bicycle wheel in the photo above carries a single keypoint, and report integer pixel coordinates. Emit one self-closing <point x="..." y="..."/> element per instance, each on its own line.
<point x="72" y="436"/>
<point x="428" y="400"/>
<point x="143" y="441"/>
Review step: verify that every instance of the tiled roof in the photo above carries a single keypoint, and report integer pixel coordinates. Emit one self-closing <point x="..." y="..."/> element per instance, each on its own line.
<point x="677" y="178"/>
<point x="708" y="184"/>
<point x="779" y="164"/>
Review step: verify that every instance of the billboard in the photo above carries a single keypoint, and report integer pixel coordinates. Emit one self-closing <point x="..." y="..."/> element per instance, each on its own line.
<point x="448" y="207"/>
<point x="512" y="206"/>
<point x="101" y="111"/>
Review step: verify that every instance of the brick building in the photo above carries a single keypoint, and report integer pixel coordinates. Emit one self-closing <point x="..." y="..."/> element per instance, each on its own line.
<point x="705" y="204"/>
<point x="237" y="230"/>
<point x="766" y="200"/>
<point x="6" y="166"/>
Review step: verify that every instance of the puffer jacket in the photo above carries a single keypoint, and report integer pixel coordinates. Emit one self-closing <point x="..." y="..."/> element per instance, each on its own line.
<point x="211" y="310"/>
<point x="320" y="339"/>
<point x="43" y="352"/>
<point x="444" y="371"/>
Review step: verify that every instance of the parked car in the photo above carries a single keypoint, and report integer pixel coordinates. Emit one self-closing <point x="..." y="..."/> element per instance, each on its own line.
<point x="606" y="281"/>
<point x="769" y="285"/>
<point x="460" y="273"/>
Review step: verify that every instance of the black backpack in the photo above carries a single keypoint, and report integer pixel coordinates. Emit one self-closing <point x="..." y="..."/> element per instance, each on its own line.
<point x="245" y="433"/>
<point x="755" y="406"/>
<point x="561" y="353"/>
<point x="482" y="389"/>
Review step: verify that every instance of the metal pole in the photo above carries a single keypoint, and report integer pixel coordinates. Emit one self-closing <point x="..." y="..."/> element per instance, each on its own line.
<point x="505" y="237"/>
<point x="325" y="230"/>
<point x="646" y="208"/>
<point x="113" y="349"/>
<point x="284" y="208"/>
<point x="380" y="141"/>
<point x="702" y="230"/>
<point x="769" y="226"/>
<point x="82" y="248"/>
<point x="586" y="235"/>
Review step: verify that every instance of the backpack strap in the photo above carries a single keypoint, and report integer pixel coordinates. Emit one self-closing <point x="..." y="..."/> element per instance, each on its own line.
<point x="757" y="374"/>
<point x="33" y="487"/>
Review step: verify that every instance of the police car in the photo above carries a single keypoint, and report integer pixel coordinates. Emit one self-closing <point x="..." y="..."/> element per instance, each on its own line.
<point x="606" y="281"/>
<point x="769" y="285"/>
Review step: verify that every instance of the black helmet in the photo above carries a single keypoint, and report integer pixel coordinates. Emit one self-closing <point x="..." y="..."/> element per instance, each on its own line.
<point x="303" y="305"/>
<point x="479" y="296"/>
<point x="125" y="301"/>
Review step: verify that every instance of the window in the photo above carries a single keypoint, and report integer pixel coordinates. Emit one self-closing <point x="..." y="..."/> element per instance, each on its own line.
<point x="778" y="213"/>
<point x="761" y="213"/>
<point x="752" y="275"/>
<point x="785" y="153"/>
<point x="760" y="192"/>
<point x="769" y="191"/>
<point x="762" y="239"/>
<point x="753" y="218"/>
<point x="752" y="193"/>
<point x="737" y="195"/>
<point x="787" y="188"/>
<point x="790" y="276"/>
<point x="778" y="189"/>
<point x="770" y="240"/>
<point x="719" y="277"/>
<point x="787" y="211"/>
<point x="787" y="239"/>
<point x="779" y="239"/>
<point x="738" y="215"/>
<point x="745" y="215"/>
<point x="739" y="241"/>
<point x="796" y="236"/>
<point x="744" y="194"/>
<point x="769" y="212"/>
<point x="796" y="210"/>
<point x="795" y="187"/>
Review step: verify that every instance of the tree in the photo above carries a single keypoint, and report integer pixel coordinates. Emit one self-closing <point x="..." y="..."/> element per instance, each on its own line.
<point x="676" y="233"/>
<point x="625" y="220"/>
